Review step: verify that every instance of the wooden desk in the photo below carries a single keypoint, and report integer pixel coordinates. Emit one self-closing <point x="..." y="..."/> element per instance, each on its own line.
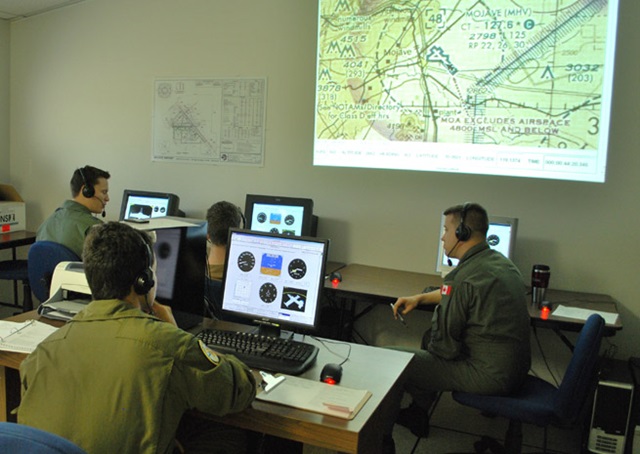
<point x="13" y="240"/>
<point x="375" y="369"/>
<point x="384" y="285"/>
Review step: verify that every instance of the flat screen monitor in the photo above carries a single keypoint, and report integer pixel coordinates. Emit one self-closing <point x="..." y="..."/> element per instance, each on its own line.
<point x="285" y="215"/>
<point x="147" y="205"/>
<point x="274" y="280"/>
<point x="501" y="236"/>
<point x="181" y="255"/>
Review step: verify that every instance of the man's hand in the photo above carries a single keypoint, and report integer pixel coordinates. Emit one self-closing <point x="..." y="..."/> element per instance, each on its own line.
<point x="405" y="304"/>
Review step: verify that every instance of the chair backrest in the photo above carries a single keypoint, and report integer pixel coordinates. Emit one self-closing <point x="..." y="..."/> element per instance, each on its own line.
<point x="580" y="375"/>
<point x="42" y="260"/>
<point x="21" y="438"/>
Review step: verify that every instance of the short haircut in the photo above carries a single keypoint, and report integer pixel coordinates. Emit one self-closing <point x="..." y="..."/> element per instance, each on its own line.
<point x="222" y="216"/>
<point x="86" y="175"/>
<point x="114" y="255"/>
<point x="476" y="217"/>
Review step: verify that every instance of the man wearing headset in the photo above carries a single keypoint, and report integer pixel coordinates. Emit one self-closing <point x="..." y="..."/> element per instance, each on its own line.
<point x="121" y="377"/>
<point x="68" y="225"/>
<point x="479" y="337"/>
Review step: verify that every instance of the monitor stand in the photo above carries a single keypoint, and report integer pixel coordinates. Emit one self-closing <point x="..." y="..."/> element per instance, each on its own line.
<point x="268" y="329"/>
<point x="186" y="320"/>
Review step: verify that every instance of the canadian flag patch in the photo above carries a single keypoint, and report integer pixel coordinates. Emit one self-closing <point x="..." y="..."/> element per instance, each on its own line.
<point x="445" y="290"/>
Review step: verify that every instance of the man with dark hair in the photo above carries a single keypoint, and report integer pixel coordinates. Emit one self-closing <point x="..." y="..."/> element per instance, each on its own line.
<point x="479" y="337"/>
<point x="120" y="377"/>
<point x="68" y="225"/>
<point x="221" y="216"/>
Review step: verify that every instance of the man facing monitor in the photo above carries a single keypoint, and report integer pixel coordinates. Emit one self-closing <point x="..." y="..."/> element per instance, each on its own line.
<point x="68" y="225"/>
<point x="121" y="377"/>
<point x="221" y="216"/>
<point x="479" y="337"/>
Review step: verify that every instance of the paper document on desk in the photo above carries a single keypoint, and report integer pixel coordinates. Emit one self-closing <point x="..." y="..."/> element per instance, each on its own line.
<point x="583" y="314"/>
<point x="23" y="337"/>
<point x="318" y="397"/>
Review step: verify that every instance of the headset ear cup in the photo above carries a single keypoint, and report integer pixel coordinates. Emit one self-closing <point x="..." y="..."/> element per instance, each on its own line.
<point x="144" y="282"/>
<point x="88" y="191"/>
<point x="463" y="232"/>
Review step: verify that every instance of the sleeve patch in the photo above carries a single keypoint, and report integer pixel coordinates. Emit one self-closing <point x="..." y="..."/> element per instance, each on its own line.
<point x="209" y="354"/>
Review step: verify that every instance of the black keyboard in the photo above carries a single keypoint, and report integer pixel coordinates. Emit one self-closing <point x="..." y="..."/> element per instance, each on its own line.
<point x="268" y="353"/>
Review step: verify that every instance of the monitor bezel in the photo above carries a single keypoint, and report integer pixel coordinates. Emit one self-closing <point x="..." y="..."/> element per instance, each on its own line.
<point x="444" y="269"/>
<point x="187" y="299"/>
<point x="306" y="205"/>
<point x="273" y="325"/>
<point x="173" y="206"/>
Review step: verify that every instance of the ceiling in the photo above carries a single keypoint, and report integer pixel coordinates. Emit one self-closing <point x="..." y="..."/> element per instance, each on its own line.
<point x="20" y="9"/>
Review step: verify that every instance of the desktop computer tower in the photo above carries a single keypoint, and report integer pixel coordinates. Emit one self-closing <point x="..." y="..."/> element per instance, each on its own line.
<point x="612" y="429"/>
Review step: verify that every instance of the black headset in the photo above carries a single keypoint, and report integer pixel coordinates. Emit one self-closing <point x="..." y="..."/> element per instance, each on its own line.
<point x="144" y="282"/>
<point x="463" y="231"/>
<point x="87" y="191"/>
<point x="244" y="221"/>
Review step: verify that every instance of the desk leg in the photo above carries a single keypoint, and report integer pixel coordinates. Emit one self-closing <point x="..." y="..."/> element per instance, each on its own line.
<point x="9" y="393"/>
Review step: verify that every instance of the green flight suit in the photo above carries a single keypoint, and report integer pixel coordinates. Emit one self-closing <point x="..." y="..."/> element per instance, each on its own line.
<point x="479" y="339"/>
<point x="68" y="225"/>
<point x="116" y="380"/>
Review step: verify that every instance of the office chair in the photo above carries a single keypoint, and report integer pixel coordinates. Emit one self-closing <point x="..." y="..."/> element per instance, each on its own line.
<point x="43" y="258"/>
<point x="17" y="270"/>
<point x="539" y="402"/>
<point x="20" y="438"/>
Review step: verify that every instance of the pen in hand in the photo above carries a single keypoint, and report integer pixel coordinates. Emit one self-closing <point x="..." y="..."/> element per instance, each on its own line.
<point x="399" y="317"/>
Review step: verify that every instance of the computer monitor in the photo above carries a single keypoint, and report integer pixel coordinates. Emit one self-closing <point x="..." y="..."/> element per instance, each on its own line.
<point x="145" y="205"/>
<point x="501" y="236"/>
<point x="181" y="257"/>
<point x="285" y="215"/>
<point x="274" y="280"/>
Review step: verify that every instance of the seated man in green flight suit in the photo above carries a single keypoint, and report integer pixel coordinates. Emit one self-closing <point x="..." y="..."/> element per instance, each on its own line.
<point x="121" y="377"/>
<point x="479" y="337"/>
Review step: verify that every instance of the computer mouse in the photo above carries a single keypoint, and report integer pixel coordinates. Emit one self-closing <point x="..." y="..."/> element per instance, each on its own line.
<point x="331" y="373"/>
<point x="335" y="277"/>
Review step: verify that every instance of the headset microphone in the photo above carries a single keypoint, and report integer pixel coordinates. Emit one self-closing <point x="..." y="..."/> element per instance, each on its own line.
<point x="449" y="262"/>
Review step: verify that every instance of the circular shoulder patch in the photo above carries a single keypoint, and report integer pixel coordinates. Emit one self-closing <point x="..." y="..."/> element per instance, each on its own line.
<point x="209" y="354"/>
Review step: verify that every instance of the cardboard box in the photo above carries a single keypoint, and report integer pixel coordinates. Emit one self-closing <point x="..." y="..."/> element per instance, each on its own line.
<point x="13" y="215"/>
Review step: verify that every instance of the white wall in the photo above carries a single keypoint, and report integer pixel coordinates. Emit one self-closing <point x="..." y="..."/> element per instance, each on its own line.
<point x="81" y="92"/>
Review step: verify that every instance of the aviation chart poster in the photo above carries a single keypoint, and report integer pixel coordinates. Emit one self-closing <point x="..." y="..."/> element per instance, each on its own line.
<point x="211" y="121"/>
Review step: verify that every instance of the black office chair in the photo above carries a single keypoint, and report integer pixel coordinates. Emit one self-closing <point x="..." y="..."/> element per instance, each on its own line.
<point x="18" y="438"/>
<point x="43" y="258"/>
<point x="539" y="402"/>
<point x="17" y="270"/>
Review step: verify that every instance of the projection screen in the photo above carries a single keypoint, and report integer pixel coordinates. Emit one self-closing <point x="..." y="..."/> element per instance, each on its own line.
<point x="498" y="87"/>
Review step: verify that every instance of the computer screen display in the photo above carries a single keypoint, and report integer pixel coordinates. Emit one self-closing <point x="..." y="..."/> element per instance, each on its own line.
<point x="146" y="205"/>
<point x="501" y="236"/>
<point x="274" y="279"/>
<point x="285" y="215"/>
<point x="180" y="256"/>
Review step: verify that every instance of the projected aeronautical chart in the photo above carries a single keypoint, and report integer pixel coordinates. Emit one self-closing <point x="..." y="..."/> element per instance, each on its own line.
<point x="525" y="82"/>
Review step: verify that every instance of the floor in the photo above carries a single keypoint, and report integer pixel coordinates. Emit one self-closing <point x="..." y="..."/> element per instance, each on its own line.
<point x="454" y="429"/>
